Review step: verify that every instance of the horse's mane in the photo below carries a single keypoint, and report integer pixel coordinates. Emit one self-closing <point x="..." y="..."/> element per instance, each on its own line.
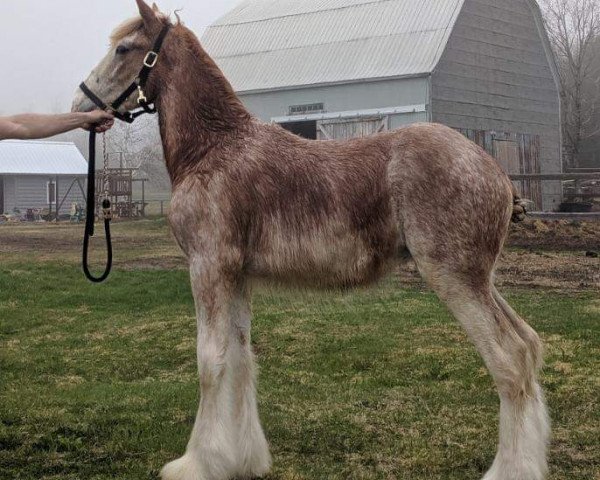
<point x="125" y="29"/>
<point x="129" y="27"/>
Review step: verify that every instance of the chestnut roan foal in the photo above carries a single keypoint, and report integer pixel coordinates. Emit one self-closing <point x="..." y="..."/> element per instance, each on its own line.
<point x="253" y="201"/>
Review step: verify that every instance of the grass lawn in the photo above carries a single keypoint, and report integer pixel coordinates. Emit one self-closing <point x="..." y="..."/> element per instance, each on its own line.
<point x="99" y="382"/>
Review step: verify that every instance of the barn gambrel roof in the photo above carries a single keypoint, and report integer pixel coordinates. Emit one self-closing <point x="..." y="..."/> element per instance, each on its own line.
<point x="277" y="44"/>
<point x="271" y="44"/>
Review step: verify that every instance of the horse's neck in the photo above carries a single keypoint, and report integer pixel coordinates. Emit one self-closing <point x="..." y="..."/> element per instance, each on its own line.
<point x="198" y="110"/>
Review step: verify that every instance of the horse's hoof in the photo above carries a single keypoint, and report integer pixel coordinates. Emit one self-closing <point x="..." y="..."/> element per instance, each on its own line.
<point x="184" y="468"/>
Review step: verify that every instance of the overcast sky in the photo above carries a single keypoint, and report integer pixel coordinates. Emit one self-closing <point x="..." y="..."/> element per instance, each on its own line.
<point x="48" y="46"/>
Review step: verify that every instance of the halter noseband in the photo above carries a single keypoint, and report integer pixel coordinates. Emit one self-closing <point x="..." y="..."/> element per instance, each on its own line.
<point x="138" y="84"/>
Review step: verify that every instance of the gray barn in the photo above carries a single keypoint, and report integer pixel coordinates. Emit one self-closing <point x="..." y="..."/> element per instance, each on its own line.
<point x="342" y="68"/>
<point x="40" y="175"/>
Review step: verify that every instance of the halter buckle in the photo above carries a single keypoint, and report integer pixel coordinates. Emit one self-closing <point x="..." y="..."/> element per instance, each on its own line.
<point x="150" y="59"/>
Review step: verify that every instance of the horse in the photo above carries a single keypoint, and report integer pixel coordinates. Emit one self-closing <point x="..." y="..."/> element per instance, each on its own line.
<point x="252" y="201"/>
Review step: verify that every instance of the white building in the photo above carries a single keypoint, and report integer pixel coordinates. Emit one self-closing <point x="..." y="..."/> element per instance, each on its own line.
<point x="38" y="175"/>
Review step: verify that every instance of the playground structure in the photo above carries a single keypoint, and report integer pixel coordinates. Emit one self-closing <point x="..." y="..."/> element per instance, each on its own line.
<point x="120" y="193"/>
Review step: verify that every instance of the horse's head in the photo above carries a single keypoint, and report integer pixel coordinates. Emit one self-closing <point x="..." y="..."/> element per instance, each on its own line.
<point x="129" y="45"/>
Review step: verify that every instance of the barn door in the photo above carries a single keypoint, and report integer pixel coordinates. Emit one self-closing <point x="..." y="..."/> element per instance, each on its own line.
<point x="520" y="153"/>
<point x="345" y="128"/>
<point x="508" y="155"/>
<point x="516" y="153"/>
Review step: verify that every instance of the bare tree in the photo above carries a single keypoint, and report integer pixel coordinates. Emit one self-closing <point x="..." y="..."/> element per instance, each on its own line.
<point x="126" y="143"/>
<point x="138" y="146"/>
<point x="574" y="27"/>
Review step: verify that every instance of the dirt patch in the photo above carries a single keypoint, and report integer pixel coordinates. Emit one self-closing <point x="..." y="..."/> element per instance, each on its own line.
<point x="63" y="242"/>
<point x="561" y="271"/>
<point x="559" y="255"/>
<point x="540" y="254"/>
<point x="39" y="238"/>
<point x="556" y="235"/>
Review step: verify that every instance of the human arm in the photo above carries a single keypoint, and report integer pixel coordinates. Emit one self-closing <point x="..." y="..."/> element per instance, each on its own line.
<point x="31" y="125"/>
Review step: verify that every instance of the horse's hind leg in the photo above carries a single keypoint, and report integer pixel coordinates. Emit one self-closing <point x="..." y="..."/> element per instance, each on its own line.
<point x="512" y="352"/>
<point x="534" y="432"/>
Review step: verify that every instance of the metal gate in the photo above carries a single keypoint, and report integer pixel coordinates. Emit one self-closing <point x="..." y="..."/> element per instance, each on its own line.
<point x="351" y="128"/>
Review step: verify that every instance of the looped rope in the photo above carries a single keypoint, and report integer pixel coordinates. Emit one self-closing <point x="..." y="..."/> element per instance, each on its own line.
<point x="90" y="217"/>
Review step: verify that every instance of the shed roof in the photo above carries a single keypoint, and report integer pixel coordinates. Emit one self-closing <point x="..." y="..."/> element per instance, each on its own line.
<point x="272" y="44"/>
<point x="41" y="158"/>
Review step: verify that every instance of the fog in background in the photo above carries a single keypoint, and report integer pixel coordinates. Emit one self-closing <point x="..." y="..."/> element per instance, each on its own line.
<point x="48" y="46"/>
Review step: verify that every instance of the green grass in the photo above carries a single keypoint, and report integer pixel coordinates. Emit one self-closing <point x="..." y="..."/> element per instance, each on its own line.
<point x="99" y="382"/>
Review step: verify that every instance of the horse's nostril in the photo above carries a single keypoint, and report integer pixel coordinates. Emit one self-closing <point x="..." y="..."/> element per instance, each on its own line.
<point x="98" y="80"/>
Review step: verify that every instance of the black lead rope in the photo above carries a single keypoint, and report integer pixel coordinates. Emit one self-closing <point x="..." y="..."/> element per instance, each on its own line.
<point x="90" y="217"/>
<point x="129" y="117"/>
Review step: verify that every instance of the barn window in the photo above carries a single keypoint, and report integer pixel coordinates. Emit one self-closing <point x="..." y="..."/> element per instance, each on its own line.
<point x="302" y="129"/>
<point x="51" y="192"/>
<point x="307" y="109"/>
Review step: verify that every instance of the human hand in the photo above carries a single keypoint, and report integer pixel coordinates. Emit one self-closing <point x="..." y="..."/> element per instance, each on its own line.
<point x="99" y="120"/>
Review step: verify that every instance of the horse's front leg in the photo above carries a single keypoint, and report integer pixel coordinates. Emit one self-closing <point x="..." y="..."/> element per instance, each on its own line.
<point x="227" y="440"/>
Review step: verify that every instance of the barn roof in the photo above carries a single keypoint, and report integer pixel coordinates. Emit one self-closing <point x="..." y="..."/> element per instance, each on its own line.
<point x="41" y="158"/>
<point x="273" y="44"/>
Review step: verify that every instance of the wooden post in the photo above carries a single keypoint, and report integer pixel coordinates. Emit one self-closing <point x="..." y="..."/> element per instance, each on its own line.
<point x="161" y="208"/>
<point x="48" y="190"/>
<point x="1" y="195"/>
<point x="64" y="199"/>
<point x="56" y="196"/>
<point x="143" y="198"/>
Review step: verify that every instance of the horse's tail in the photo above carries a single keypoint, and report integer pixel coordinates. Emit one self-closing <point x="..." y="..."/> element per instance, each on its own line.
<point x="519" y="207"/>
<point x="523" y="330"/>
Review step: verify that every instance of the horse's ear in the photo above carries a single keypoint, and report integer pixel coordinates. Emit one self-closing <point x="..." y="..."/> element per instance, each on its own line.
<point x="151" y="21"/>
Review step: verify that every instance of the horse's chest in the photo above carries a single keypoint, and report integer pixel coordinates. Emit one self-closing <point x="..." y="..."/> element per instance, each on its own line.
<point x="186" y="218"/>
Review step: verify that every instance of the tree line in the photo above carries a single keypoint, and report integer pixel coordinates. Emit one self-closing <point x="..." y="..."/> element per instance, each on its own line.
<point x="574" y="30"/>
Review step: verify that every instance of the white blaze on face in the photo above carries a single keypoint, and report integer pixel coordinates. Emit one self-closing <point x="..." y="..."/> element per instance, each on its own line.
<point x="113" y="75"/>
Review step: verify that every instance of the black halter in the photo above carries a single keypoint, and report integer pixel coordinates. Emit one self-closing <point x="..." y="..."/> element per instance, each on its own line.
<point x="138" y="84"/>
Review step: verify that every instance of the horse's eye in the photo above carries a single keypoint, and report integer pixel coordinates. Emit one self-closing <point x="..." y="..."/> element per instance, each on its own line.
<point x="122" y="50"/>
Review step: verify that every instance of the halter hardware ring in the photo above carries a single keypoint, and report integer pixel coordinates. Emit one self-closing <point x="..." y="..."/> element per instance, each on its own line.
<point x="141" y="96"/>
<point x="107" y="210"/>
<point x="150" y="59"/>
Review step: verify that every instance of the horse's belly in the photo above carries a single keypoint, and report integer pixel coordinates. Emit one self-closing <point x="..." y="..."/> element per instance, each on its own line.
<point x="334" y="259"/>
